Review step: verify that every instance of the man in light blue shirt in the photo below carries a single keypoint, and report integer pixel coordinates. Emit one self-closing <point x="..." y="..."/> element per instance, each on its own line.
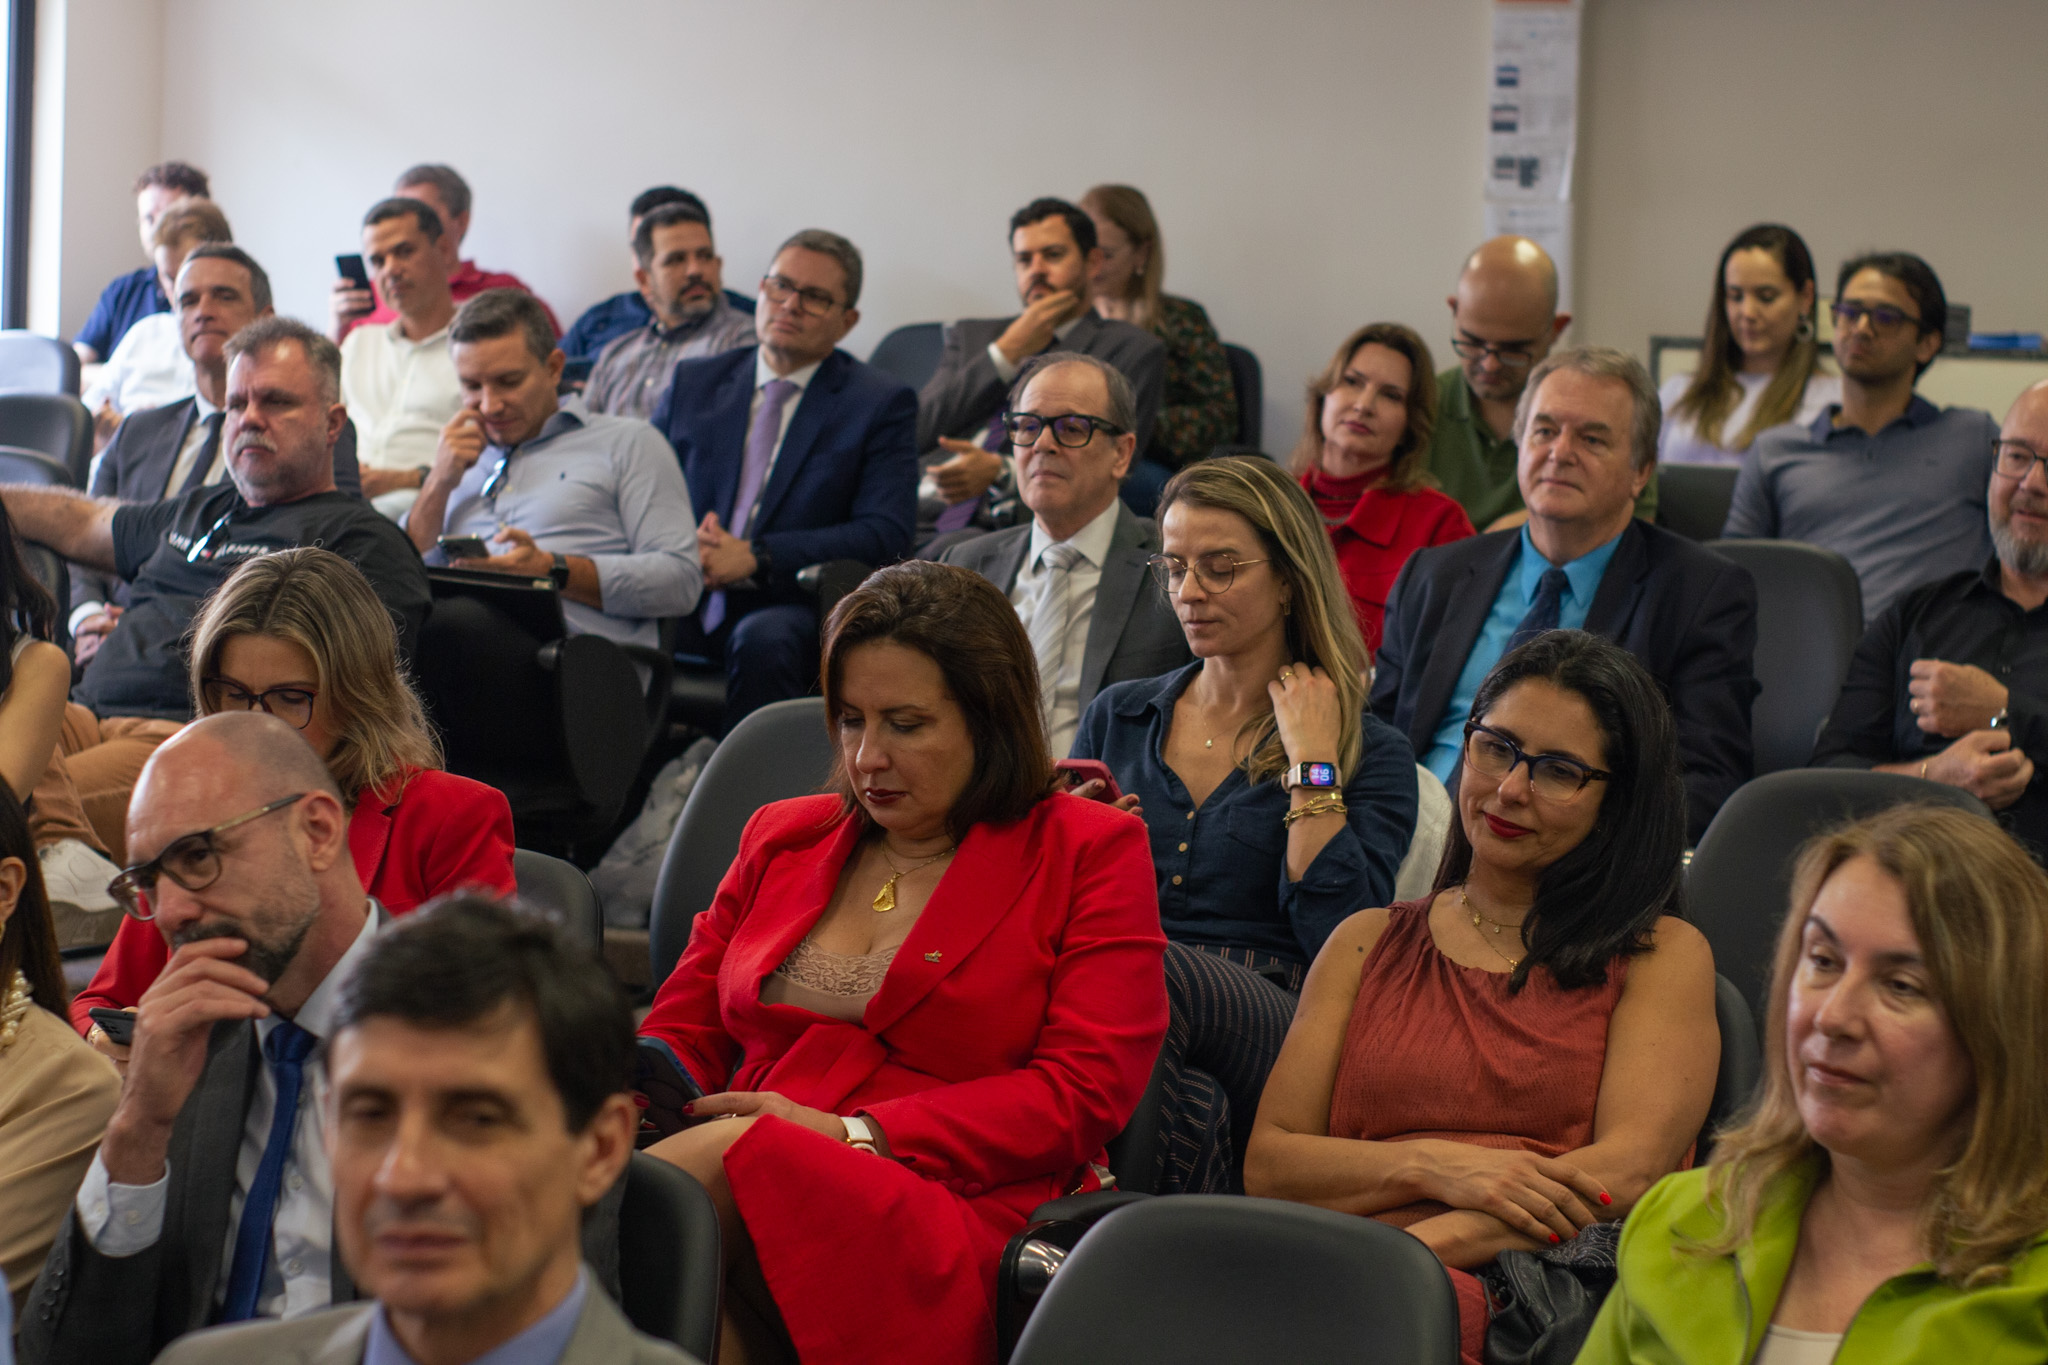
<point x="598" y="503"/>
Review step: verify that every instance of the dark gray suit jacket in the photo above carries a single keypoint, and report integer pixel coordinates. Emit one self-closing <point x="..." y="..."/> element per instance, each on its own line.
<point x="136" y="467"/>
<point x="1133" y="632"/>
<point x="966" y="392"/>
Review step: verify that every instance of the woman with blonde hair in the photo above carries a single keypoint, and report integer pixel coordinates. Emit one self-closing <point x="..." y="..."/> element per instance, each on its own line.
<point x="1276" y="803"/>
<point x="1886" y="1201"/>
<point x="1198" y="406"/>
<point x="1363" y="457"/>
<point x="301" y="635"/>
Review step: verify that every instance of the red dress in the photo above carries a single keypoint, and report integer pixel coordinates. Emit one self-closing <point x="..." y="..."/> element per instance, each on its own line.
<point x="1374" y="531"/>
<point x="1436" y="1050"/>
<point x="1011" y="1038"/>
<point x="428" y="833"/>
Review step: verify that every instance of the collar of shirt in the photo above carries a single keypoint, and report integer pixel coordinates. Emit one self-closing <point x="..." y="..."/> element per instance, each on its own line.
<point x="541" y="1344"/>
<point x="689" y="327"/>
<point x="1163" y="692"/>
<point x="1582" y="574"/>
<point x="569" y="414"/>
<point x="1919" y="412"/>
<point x="764" y="372"/>
<point x="1091" y="540"/>
<point x="1061" y="332"/>
<point x="404" y="342"/>
<point x="316" y="1016"/>
<point x="202" y="407"/>
<point x="466" y="273"/>
<point x="1459" y="408"/>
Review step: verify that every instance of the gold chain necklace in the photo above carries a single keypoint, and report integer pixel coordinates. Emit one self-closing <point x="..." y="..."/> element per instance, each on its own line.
<point x="1479" y="919"/>
<point x="885" y="899"/>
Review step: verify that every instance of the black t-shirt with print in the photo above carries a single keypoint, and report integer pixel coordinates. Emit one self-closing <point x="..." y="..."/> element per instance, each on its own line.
<point x="177" y="551"/>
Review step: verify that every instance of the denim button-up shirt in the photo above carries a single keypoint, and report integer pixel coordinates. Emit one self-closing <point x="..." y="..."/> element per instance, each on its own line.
<point x="1223" y="866"/>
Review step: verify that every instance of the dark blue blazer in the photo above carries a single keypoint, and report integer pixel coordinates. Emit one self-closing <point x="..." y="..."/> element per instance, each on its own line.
<point x="844" y="485"/>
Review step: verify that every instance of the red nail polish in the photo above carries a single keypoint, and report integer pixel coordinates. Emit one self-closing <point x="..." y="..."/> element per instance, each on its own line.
<point x="1605" y="1198"/>
<point x="1555" y="1239"/>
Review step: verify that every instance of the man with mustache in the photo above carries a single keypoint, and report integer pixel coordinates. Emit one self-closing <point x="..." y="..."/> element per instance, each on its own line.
<point x="1884" y="478"/>
<point x="1950" y="683"/>
<point x="959" y="414"/>
<point x="284" y="417"/>
<point x="681" y="275"/>
<point x="477" y="1105"/>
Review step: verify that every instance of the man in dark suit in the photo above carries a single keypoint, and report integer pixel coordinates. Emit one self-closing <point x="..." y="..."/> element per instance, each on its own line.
<point x="1587" y="432"/>
<point x="1077" y="574"/>
<point x="161" y="452"/>
<point x="1053" y="251"/>
<point x="795" y="453"/>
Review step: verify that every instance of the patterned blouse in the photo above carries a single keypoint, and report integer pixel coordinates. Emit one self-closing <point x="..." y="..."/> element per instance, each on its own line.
<point x="1198" y="410"/>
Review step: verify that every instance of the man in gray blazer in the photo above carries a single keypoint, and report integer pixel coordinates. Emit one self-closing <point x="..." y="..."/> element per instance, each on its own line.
<point x="1077" y="574"/>
<point x="1053" y="251"/>
<point x="479" y="1071"/>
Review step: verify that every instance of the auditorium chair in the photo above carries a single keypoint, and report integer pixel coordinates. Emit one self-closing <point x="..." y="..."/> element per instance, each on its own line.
<point x="554" y="884"/>
<point x="18" y="464"/>
<point x="1741" y="875"/>
<point x="1809" y="617"/>
<point x="1248" y="382"/>
<point x="780" y="751"/>
<point x="697" y="686"/>
<point x="671" y="1262"/>
<point x="1692" y="499"/>
<point x="33" y="363"/>
<point x="911" y="352"/>
<point x="1230" y="1280"/>
<point x="1741" y="1064"/>
<point x="54" y="424"/>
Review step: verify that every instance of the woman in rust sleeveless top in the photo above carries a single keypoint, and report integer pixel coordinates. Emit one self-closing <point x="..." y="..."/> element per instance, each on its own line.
<point x="1526" y="1051"/>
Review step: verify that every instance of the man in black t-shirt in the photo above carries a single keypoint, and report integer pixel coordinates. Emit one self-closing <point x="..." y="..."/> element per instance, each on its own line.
<point x="283" y="417"/>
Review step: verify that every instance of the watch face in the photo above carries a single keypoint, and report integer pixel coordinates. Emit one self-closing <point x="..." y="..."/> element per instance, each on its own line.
<point x="1318" y="774"/>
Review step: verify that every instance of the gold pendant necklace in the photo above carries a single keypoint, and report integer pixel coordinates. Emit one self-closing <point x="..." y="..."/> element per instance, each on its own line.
<point x="885" y="899"/>
<point x="1479" y="919"/>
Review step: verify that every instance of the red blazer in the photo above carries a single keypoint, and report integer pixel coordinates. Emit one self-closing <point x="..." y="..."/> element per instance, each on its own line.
<point x="1383" y="530"/>
<point x="434" y="832"/>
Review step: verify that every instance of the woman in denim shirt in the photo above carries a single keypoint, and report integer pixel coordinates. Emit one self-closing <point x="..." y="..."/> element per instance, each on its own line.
<point x="1255" y="865"/>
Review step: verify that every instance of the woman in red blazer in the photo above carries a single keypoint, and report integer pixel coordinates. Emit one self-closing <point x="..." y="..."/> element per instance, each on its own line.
<point x="1363" y="457"/>
<point x="921" y="1006"/>
<point x="301" y="635"/>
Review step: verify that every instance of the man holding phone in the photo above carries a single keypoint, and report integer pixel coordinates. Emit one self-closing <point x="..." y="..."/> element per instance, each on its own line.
<point x="397" y="377"/>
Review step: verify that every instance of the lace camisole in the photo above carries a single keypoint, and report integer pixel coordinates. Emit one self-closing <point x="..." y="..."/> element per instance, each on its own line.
<point x="836" y="985"/>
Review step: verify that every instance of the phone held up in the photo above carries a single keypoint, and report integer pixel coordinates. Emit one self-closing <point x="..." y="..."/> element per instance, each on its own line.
<point x="352" y="269"/>
<point x="1076" y="771"/>
<point x="118" y="1025"/>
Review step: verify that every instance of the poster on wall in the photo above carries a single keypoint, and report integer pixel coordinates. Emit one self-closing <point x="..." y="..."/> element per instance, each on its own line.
<point x="1532" y="120"/>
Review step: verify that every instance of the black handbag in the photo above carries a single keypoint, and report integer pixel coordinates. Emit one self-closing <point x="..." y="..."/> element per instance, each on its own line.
<point x="1543" y="1302"/>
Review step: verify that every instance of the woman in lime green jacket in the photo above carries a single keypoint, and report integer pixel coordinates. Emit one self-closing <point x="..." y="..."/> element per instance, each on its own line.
<point x="1887" y="1201"/>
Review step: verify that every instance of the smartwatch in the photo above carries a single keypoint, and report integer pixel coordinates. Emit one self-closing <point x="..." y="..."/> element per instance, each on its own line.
<point x="1316" y="776"/>
<point x="860" y="1134"/>
<point x="559" y="571"/>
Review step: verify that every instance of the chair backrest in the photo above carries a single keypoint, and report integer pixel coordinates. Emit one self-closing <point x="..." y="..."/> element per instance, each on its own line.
<point x="1248" y="380"/>
<point x="1809" y="616"/>
<point x="911" y="352"/>
<point x="1741" y="1064"/>
<point x="1227" y="1279"/>
<point x="55" y="424"/>
<point x="670" y="1259"/>
<point x="1741" y="874"/>
<point x="559" y="885"/>
<point x="33" y="363"/>
<point x="1692" y="499"/>
<point x="18" y="464"/>
<point x="779" y="751"/>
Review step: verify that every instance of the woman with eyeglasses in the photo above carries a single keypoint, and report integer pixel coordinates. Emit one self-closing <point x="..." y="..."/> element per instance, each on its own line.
<point x="1759" y="366"/>
<point x="300" y="634"/>
<point x="1276" y="805"/>
<point x="1527" y="1050"/>
<point x="1364" y="458"/>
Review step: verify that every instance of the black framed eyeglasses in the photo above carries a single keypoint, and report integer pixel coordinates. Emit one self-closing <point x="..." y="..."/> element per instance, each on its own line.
<point x="1881" y="316"/>
<point x="780" y="289"/>
<point x="2016" y="459"/>
<point x="1553" y="777"/>
<point x="192" y="861"/>
<point x="292" y="705"/>
<point x="1215" y="571"/>
<point x="1072" y="429"/>
<point x="1509" y="355"/>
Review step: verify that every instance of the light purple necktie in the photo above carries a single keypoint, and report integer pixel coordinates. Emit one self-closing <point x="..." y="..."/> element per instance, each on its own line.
<point x="761" y="439"/>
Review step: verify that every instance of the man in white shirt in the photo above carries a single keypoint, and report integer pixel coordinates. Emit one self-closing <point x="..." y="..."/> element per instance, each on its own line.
<point x="209" y="1200"/>
<point x="398" y="377"/>
<point x="149" y="368"/>
<point x="1077" y="574"/>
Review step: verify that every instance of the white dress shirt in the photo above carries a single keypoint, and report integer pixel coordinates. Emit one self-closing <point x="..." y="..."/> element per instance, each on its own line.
<point x="1063" y="707"/>
<point x="147" y="370"/>
<point x="399" y="393"/>
<point x="121" y="1220"/>
<point x="764" y="373"/>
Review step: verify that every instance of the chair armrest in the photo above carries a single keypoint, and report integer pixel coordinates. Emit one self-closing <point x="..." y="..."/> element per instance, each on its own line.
<point x="1032" y="1257"/>
<point x="831" y="580"/>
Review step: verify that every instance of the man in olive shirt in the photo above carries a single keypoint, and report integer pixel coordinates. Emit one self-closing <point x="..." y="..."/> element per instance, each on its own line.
<point x="1504" y="319"/>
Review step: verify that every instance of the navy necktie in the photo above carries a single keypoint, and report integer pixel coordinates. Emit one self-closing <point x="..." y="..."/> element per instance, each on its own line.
<point x="1543" y="612"/>
<point x="286" y="1049"/>
<point x="195" y="477"/>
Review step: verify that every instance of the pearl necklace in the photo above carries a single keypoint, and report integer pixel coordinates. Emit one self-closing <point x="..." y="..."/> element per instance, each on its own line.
<point x="14" y="1010"/>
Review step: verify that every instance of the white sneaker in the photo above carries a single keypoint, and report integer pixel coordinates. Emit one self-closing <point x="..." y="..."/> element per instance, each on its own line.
<point x="76" y="879"/>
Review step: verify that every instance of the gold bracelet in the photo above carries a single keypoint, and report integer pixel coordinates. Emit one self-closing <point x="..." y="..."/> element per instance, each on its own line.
<point x="1315" y="805"/>
<point x="1923" y="768"/>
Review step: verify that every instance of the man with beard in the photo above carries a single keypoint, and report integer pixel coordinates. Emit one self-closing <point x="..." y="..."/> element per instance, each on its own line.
<point x="1504" y="320"/>
<point x="1951" y="681"/>
<point x="211" y="1197"/>
<point x="283" y="419"/>
<point x="1884" y="478"/>
<point x="680" y="274"/>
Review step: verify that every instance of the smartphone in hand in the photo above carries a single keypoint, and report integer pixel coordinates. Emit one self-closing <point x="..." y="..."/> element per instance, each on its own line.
<point x="118" y="1025"/>
<point x="666" y="1087"/>
<point x="1079" y="770"/>
<point x="352" y="269"/>
<point x="463" y="547"/>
